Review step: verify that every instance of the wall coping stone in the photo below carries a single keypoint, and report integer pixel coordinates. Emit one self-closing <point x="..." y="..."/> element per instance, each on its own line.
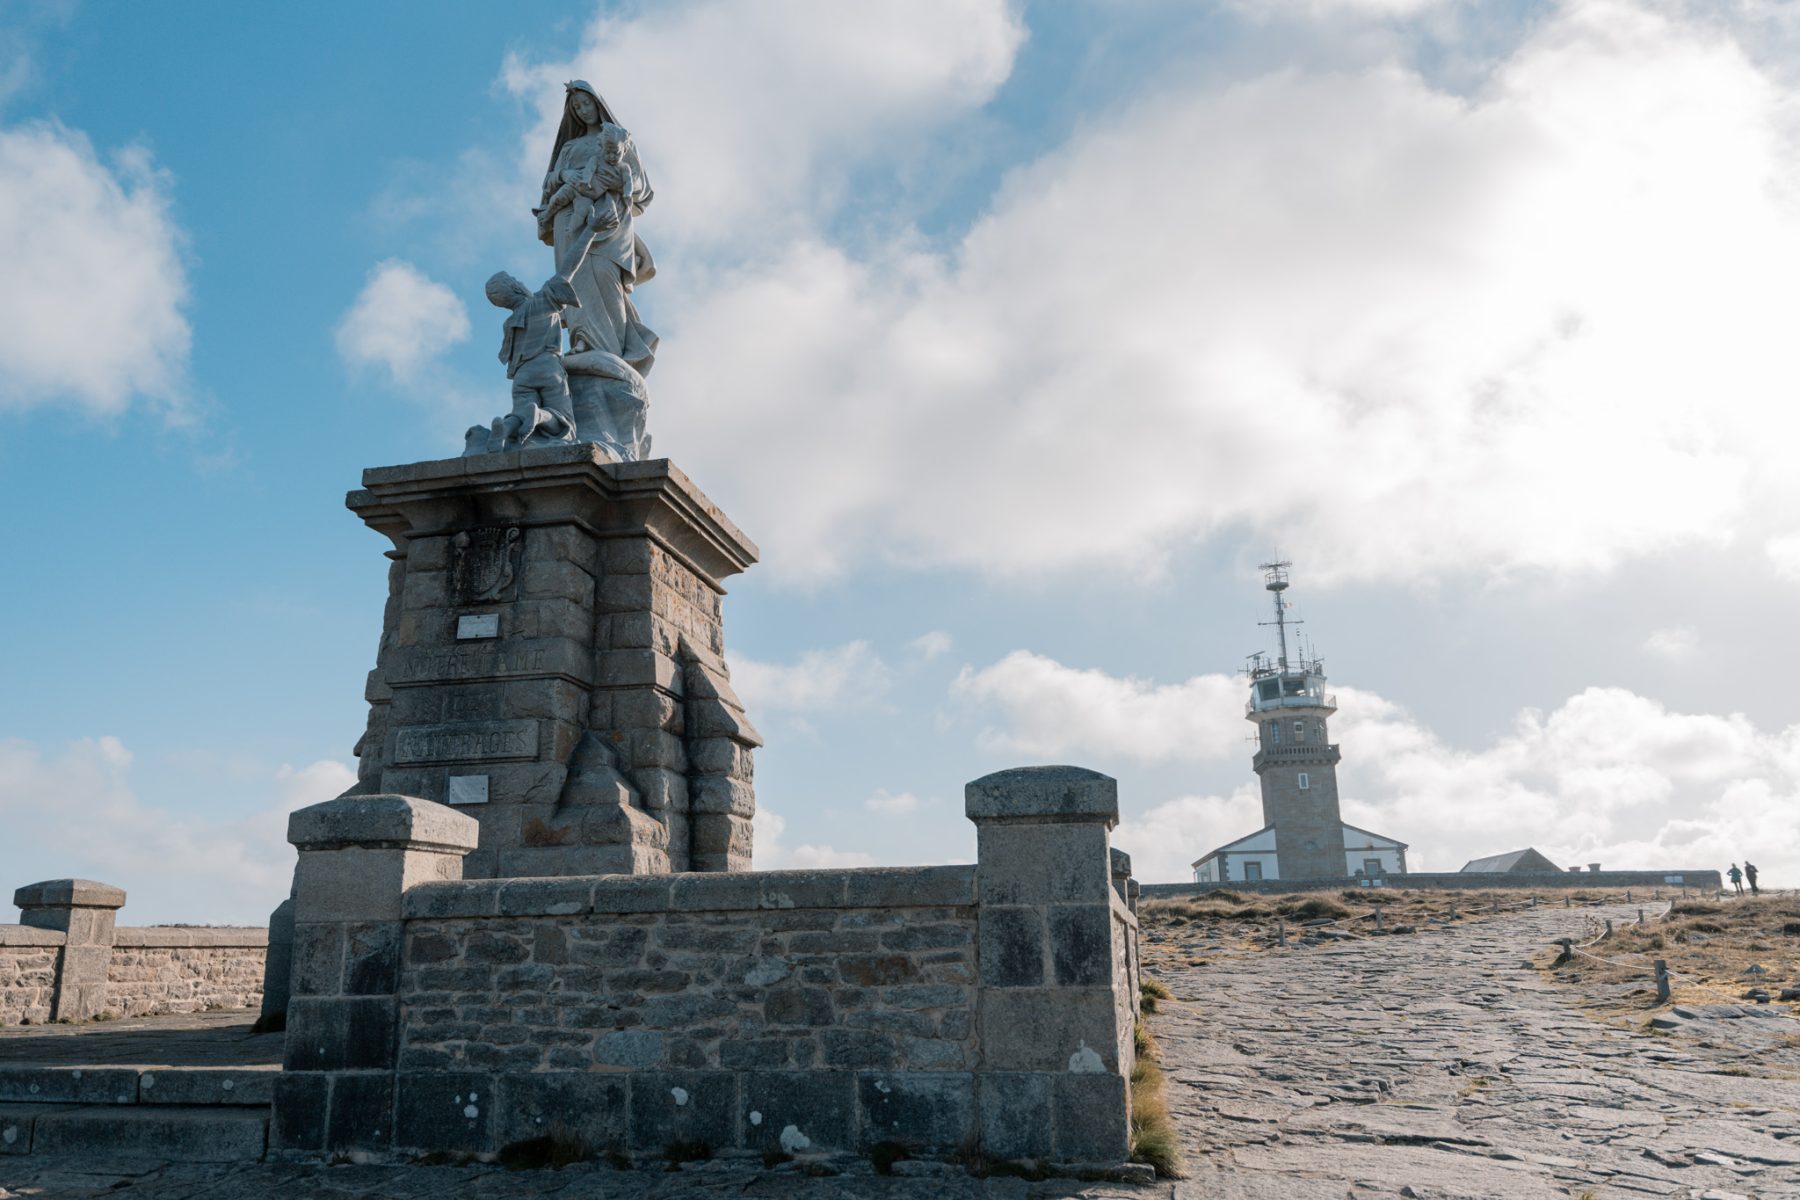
<point x="695" y="891"/>
<point x="69" y="893"/>
<point x="1041" y="794"/>
<point x="382" y="820"/>
<point x="222" y="937"/>
<point x="31" y="935"/>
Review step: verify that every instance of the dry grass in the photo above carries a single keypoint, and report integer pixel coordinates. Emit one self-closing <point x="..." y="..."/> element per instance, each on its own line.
<point x="1714" y="943"/>
<point x="1236" y="920"/>
<point x="1153" y="1136"/>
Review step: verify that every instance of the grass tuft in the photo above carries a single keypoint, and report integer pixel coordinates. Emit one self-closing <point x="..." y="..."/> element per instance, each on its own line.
<point x="1153" y="1136"/>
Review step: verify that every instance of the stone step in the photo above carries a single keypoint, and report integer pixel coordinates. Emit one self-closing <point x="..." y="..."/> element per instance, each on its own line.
<point x="137" y="1085"/>
<point x="171" y="1133"/>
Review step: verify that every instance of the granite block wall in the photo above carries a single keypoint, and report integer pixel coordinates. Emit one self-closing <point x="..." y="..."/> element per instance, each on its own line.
<point x="758" y="1011"/>
<point x="178" y="969"/>
<point x="165" y="969"/>
<point x="985" y="1007"/>
<point x="27" y="974"/>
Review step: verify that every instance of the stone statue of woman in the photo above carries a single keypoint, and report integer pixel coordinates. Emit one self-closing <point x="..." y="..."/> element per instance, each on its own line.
<point x="593" y="193"/>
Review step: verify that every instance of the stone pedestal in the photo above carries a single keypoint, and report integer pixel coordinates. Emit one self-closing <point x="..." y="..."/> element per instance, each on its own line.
<point x="1056" y="1006"/>
<point x="84" y="912"/>
<point x="552" y="662"/>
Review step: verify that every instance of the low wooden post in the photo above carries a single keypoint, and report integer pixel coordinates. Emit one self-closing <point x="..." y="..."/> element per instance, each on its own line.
<point x="1496" y="906"/>
<point x="1640" y="916"/>
<point x="1568" y="902"/>
<point x="1378" y="916"/>
<point x="1453" y="910"/>
<point x="1609" y="927"/>
<point x="1568" y="951"/>
<point x="1280" y="933"/>
<point x="1662" y="981"/>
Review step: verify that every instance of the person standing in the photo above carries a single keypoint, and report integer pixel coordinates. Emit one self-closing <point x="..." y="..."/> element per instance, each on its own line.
<point x="1750" y="876"/>
<point x="1737" y="878"/>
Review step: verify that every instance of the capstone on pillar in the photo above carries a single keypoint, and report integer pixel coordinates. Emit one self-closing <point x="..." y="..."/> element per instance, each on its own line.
<point x="83" y="911"/>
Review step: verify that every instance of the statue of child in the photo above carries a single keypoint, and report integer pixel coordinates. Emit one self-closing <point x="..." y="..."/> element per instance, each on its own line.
<point x="531" y="348"/>
<point x="610" y="205"/>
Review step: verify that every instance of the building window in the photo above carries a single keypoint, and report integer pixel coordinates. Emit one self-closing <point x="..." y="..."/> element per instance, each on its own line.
<point x="1274" y="733"/>
<point x="1371" y="866"/>
<point x="1252" y="872"/>
<point x="1304" y="781"/>
<point x="1321" y="731"/>
<point x="1299" y="731"/>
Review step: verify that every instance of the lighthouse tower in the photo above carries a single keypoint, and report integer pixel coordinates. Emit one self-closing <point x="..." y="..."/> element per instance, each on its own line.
<point x="1303" y="834"/>
<point x="1295" y="759"/>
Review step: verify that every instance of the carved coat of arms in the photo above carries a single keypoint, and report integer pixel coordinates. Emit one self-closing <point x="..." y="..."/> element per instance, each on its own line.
<point x="484" y="563"/>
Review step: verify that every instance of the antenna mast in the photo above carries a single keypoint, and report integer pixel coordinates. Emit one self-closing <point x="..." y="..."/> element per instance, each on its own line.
<point x="1276" y="581"/>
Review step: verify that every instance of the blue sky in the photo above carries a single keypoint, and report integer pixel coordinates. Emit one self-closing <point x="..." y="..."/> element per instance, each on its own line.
<point x="1015" y="335"/>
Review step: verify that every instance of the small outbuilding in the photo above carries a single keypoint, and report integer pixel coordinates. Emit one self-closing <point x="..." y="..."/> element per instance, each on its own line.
<point x="1518" y="862"/>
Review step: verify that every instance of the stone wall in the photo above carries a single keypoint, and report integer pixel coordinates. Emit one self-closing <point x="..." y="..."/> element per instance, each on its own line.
<point x="781" y="1005"/>
<point x="1457" y="880"/>
<point x="986" y="1008"/>
<point x="69" y="962"/>
<point x="27" y="973"/>
<point x="177" y="969"/>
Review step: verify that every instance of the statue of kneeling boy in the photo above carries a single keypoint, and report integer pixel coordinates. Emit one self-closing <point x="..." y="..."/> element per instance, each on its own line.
<point x="531" y="348"/>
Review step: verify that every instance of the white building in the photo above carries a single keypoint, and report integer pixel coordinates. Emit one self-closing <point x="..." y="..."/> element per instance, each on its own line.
<point x="1253" y="858"/>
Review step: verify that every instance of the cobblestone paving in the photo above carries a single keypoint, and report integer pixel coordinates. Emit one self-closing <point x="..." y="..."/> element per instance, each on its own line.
<point x="215" y="1039"/>
<point x="1443" y="1065"/>
<point x="1433" y="1066"/>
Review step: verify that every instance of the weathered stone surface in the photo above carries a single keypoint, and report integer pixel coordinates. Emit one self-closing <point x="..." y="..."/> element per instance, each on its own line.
<point x="67" y="893"/>
<point x="929" y="1109"/>
<point x="197" y="1135"/>
<point x="436" y="1111"/>
<point x="1043" y="793"/>
<point x="799" y="1110"/>
<point x="381" y="820"/>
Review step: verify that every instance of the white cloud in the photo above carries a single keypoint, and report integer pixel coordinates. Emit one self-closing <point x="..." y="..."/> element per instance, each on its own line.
<point x="818" y="681"/>
<point x="72" y="812"/>
<point x="1047" y="709"/>
<point x="1533" y="329"/>
<point x="772" y="855"/>
<point x="889" y="804"/>
<point x="933" y="644"/>
<point x="402" y="320"/>
<point x="91" y="313"/>
<point x="1166" y="839"/>
<point x="1783" y="553"/>
<point x="1675" y="643"/>
<point x="753" y="114"/>
<point x="1607" y="776"/>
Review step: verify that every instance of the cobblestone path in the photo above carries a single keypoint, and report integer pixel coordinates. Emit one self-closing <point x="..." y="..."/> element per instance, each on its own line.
<point x="1434" y="1066"/>
<point x="1444" y="1064"/>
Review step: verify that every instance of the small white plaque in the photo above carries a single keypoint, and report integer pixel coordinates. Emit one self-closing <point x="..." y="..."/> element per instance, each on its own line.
<point x="477" y="625"/>
<point x="468" y="789"/>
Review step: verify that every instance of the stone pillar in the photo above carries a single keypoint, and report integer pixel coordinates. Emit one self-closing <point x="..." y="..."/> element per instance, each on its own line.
<point x="1055" y="1013"/>
<point x="278" y="968"/>
<point x="358" y="856"/>
<point x="83" y="911"/>
<point x="1121" y="873"/>
<point x="552" y="658"/>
